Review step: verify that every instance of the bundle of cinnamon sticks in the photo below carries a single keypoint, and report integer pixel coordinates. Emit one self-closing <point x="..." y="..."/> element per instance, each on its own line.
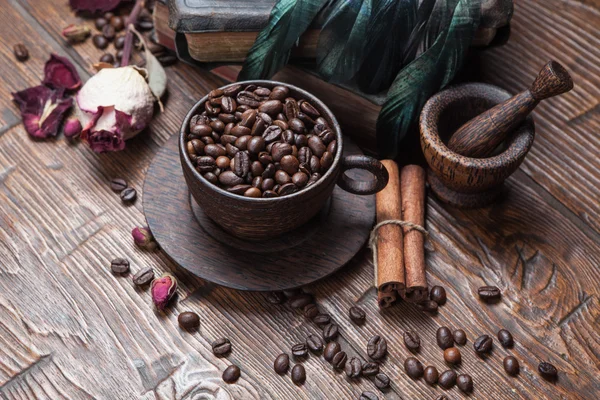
<point x="400" y="253"/>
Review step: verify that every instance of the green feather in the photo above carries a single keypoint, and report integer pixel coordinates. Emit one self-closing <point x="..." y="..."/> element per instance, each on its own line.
<point x="343" y="40"/>
<point x="428" y="73"/>
<point x="271" y="50"/>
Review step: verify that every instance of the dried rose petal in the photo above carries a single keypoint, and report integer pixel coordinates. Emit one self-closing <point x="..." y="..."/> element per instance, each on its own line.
<point x="60" y="73"/>
<point x="93" y="5"/>
<point x="162" y="290"/>
<point x="72" y="127"/>
<point x="42" y="110"/>
<point x="143" y="237"/>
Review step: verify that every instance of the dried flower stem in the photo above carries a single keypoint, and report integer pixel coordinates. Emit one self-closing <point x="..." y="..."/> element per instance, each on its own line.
<point x="127" y="46"/>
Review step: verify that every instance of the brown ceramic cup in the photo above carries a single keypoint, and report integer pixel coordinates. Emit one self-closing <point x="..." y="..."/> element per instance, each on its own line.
<point x="264" y="218"/>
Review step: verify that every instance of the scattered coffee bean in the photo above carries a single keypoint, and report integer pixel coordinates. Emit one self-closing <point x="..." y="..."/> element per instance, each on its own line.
<point x="428" y="306"/>
<point x="487" y="293"/>
<point x="20" y="51"/>
<point x="107" y="58"/>
<point x="301" y="300"/>
<point x="143" y="277"/>
<point x="412" y="341"/>
<point x="310" y="311"/>
<point x="119" y="266"/>
<point x="221" y="346"/>
<point x="438" y="294"/>
<point x="109" y="32"/>
<point x="314" y="343"/>
<point x="452" y="355"/>
<point x="100" y="41"/>
<point x="100" y="23"/>
<point x="299" y="350"/>
<point x="431" y="375"/>
<point x="460" y="337"/>
<point x="511" y="365"/>
<point x="366" y="395"/>
<point x="330" y="332"/>
<point x="322" y="320"/>
<point x="298" y="374"/>
<point x="231" y="374"/>
<point x="357" y="314"/>
<point x="447" y="379"/>
<point x="188" y="320"/>
<point x="444" y="338"/>
<point x="353" y="368"/>
<point x="370" y="368"/>
<point x="117" y="23"/>
<point x="281" y="364"/>
<point x="464" y="383"/>
<point x="483" y="344"/>
<point x="276" y="297"/>
<point x="377" y="347"/>
<point x="505" y="338"/>
<point x="119" y="42"/>
<point x="339" y="360"/>
<point x="128" y="195"/>
<point x="118" y="184"/>
<point x="413" y="368"/>
<point x="331" y="349"/>
<point x="381" y="381"/>
<point x="548" y="371"/>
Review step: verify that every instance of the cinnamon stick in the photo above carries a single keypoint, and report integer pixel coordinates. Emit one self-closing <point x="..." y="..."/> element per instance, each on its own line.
<point x="390" y="257"/>
<point x="413" y="210"/>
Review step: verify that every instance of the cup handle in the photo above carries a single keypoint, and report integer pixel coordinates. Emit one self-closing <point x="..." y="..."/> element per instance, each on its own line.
<point x="368" y="164"/>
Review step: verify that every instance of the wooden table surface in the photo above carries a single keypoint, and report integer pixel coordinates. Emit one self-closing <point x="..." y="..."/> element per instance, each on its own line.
<point x="71" y="329"/>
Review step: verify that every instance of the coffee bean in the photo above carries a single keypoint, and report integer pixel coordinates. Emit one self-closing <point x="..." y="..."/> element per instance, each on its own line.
<point x="118" y="184"/>
<point x="282" y="177"/>
<point x="438" y="294"/>
<point x="228" y="105"/>
<point x="281" y="364"/>
<point x="366" y="395"/>
<point x="428" y="306"/>
<point x="287" y="189"/>
<point x="276" y="297"/>
<point x="299" y="350"/>
<point x="107" y="58"/>
<point x="298" y="374"/>
<point x="272" y="134"/>
<point x="381" y="381"/>
<point x="119" y="266"/>
<point x="431" y="375"/>
<point x="301" y="300"/>
<point x="412" y="340"/>
<point x="231" y="374"/>
<point x="357" y="314"/>
<point x="108" y="31"/>
<point x="279" y="150"/>
<point x="143" y="277"/>
<point x="128" y="195"/>
<point x="488" y="293"/>
<point x="413" y="368"/>
<point x="212" y="178"/>
<point x="339" y="360"/>
<point x="330" y="332"/>
<point x="119" y="42"/>
<point x="300" y="179"/>
<point x="444" y="338"/>
<point x="221" y="346"/>
<point x="370" y="369"/>
<point x="314" y="343"/>
<point x="511" y="365"/>
<point x="309" y="109"/>
<point x="464" y="383"/>
<point x="100" y="41"/>
<point x="452" y="355"/>
<point x="310" y="311"/>
<point x="188" y="320"/>
<point x="460" y="337"/>
<point x="229" y="178"/>
<point x="289" y="164"/>
<point x="377" y="347"/>
<point x="447" y="379"/>
<point x="322" y="320"/>
<point x="239" y="189"/>
<point x="505" y="338"/>
<point x="242" y="163"/>
<point x="100" y="23"/>
<point x="317" y="146"/>
<point x="548" y="371"/>
<point x="483" y="344"/>
<point x="331" y="349"/>
<point x="117" y="23"/>
<point x="353" y="368"/>
<point x="20" y="51"/>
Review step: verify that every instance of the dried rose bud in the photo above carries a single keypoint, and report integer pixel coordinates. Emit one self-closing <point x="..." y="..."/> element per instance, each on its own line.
<point x="143" y="237"/>
<point x="162" y="290"/>
<point x="72" y="127"/>
<point x="76" y="33"/>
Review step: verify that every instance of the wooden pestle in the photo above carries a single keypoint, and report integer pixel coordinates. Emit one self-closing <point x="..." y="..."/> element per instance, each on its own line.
<point x="480" y="136"/>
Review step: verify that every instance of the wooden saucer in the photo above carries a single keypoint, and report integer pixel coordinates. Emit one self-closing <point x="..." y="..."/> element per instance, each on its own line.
<point x="192" y="240"/>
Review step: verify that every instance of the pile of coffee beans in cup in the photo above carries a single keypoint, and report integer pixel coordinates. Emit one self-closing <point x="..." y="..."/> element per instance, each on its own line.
<point x="259" y="142"/>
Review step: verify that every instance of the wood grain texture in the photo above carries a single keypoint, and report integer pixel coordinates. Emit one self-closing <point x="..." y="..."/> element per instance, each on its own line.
<point x="71" y="329"/>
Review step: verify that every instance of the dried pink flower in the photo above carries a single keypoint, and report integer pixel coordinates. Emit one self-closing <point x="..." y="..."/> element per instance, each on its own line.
<point x="72" y="127"/>
<point x="143" y="237"/>
<point x="59" y="73"/>
<point x="93" y="5"/>
<point x="42" y="110"/>
<point x="162" y="290"/>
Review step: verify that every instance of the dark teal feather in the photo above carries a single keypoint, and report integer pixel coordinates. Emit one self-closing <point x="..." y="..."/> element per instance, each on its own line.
<point x="344" y="40"/>
<point x="289" y="19"/>
<point x="419" y="33"/>
<point x="428" y="73"/>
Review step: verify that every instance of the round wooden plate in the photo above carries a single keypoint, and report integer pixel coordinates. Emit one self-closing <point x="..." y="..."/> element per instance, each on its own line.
<point x="192" y="240"/>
